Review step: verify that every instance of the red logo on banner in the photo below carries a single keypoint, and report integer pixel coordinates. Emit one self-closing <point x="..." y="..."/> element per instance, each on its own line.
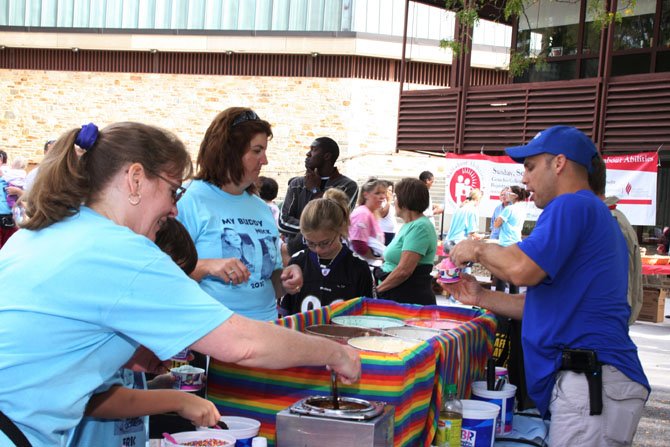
<point x="463" y="181"/>
<point x="629" y="187"/>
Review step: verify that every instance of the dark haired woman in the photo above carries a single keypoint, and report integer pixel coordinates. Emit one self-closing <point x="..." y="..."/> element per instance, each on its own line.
<point x="408" y="260"/>
<point x="222" y="201"/>
<point x="510" y="222"/>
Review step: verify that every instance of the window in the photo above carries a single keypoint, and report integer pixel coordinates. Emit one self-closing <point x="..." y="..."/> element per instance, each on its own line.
<point x="556" y="24"/>
<point x="665" y="25"/>
<point x="636" y="29"/>
<point x="552" y="29"/>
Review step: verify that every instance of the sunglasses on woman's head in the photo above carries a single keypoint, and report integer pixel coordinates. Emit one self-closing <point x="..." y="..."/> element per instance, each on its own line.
<point x="248" y="115"/>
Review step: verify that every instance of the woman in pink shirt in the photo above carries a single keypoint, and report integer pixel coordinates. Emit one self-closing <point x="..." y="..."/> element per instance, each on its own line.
<point x="365" y="234"/>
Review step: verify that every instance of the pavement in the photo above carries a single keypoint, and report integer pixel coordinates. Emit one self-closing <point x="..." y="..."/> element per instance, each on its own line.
<point x="653" y="344"/>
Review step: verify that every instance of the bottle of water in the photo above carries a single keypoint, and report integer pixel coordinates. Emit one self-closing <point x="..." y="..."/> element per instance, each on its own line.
<point x="450" y="421"/>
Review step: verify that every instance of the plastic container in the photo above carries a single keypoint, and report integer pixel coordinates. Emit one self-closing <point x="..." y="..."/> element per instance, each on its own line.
<point x="448" y="272"/>
<point x="411" y="333"/>
<point x="502" y="373"/>
<point x="388" y="345"/>
<point x="450" y="422"/>
<point x="503" y="398"/>
<point x="259" y="441"/>
<point x="188" y="378"/>
<point x="479" y="420"/>
<point x="243" y="429"/>
<point x="443" y="324"/>
<point x="367" y="321"/>
<point x="340" y="334"/>
<point x="192" y="436"/>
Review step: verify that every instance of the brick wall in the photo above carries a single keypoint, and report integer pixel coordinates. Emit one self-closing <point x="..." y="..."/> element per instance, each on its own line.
<point x="361" y="115"/>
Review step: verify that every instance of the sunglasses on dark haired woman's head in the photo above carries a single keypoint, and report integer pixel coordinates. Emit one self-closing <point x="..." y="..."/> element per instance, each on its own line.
<point x="248" y="115"/>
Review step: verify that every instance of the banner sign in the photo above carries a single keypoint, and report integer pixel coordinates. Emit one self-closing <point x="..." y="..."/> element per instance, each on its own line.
<point x="632" y="178"/>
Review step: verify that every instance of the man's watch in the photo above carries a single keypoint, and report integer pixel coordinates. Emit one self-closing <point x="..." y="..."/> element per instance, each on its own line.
<point x="314" y="190"/>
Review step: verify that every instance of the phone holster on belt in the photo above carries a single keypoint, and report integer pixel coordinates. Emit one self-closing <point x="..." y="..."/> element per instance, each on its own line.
<point x="586" y="361"/>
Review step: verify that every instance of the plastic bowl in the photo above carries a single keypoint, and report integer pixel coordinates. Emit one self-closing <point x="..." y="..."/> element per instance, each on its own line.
<point x="195" y="436"/>
<point x="411" y="333"/>
<point x="367" y="321"/>
<point x="188" y="378"/>
<point x="440" y="324"/>
<point x="239" y="427"/>
<point x="387" y="345"/>
<point x="339" y="333"/>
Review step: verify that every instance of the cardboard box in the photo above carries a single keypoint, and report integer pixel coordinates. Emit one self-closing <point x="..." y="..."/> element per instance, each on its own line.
<point x="653" y="305"/>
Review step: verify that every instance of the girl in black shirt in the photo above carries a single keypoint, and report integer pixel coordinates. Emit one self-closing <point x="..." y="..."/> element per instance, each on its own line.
<point x="330" y="271"/>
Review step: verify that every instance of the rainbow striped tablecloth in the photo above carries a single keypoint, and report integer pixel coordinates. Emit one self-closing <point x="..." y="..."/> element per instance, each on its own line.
<point x="412" y="381"/>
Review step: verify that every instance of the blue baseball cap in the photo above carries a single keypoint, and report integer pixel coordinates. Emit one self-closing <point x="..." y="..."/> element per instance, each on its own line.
<point x="566" y="140"/>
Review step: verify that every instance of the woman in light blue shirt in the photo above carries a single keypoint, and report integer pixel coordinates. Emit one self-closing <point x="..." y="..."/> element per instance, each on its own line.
<point x="239" y="250"/>
<point x="86" y="291"/>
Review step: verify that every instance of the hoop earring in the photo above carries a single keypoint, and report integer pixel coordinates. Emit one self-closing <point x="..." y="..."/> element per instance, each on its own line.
<point x="134" y="199"/>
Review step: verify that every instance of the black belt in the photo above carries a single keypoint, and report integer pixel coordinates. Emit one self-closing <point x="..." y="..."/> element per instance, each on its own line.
<point x="586" y="361"/>
<point x="12" y="431"/>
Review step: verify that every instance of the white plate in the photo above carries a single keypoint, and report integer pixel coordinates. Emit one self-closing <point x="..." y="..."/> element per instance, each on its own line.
<point x="388" y="345"/>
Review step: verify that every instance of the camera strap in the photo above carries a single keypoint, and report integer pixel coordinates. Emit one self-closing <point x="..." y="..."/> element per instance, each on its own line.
<point x="12" y="431"/>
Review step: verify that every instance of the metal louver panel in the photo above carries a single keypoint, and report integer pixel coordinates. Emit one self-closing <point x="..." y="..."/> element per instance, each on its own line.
<point x="495" y="116"/>
<point x="637" y="116"/>
<point x="512" y="114"/>
<point x="427" y="120"/>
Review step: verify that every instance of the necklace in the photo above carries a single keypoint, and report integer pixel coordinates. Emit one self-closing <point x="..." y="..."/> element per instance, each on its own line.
<point x="325" y="268"/>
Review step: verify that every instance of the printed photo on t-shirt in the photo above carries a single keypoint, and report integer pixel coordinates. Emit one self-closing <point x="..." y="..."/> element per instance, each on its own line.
<point x="239" y="246"/>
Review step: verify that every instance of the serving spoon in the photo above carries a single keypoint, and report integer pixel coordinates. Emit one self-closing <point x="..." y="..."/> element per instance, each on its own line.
<point x="333" y="389"/>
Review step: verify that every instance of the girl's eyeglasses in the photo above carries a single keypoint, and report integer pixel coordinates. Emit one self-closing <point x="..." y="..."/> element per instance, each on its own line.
<point x="177" y="191"/>
<point x="323" y="244"/>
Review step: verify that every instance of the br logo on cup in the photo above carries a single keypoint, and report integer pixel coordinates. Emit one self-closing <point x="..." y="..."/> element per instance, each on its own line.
<point x="187" y="378"/>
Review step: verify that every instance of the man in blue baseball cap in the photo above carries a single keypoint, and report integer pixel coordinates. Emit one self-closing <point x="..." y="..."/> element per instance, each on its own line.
<point x="582" y="368"/>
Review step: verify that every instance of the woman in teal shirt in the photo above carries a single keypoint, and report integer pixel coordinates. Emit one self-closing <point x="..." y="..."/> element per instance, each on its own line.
<point x="408" y="260"/>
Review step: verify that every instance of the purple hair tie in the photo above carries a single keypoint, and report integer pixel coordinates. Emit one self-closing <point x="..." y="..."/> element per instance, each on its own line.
<point x="87" y="136"/>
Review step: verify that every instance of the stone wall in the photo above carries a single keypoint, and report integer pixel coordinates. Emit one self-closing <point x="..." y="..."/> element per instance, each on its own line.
<point x="361" y="115"/>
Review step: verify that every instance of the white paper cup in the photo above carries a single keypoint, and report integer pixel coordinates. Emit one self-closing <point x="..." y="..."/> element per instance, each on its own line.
<point x="188" y="378"/>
